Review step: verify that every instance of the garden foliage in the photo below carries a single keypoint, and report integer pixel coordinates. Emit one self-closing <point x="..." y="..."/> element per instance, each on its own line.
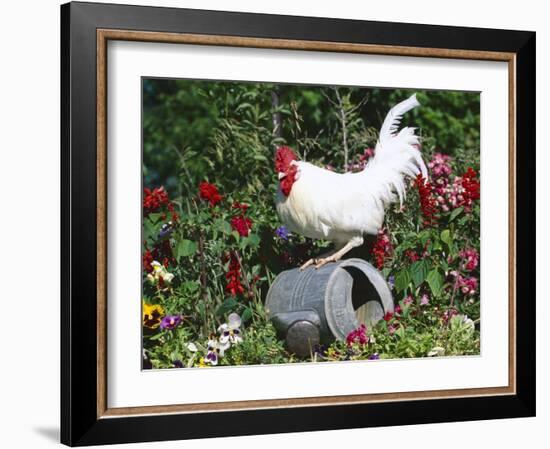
<point x="213" y="243"/>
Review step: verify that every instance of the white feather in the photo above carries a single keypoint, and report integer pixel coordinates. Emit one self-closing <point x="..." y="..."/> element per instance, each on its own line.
<point x="340" y="207"/>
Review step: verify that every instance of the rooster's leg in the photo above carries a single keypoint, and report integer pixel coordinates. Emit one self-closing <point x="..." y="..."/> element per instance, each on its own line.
<point x="316" y="260"/>
<point x="337" y="255"/>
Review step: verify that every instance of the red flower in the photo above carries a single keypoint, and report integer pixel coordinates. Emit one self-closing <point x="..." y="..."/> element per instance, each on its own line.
<point x="209" y="192"/>
<point x="242" y="225"/>
<point x="234" y="286"/>
<point x="147" y="259"/>
<point x="241" y="206"/>
<point x="388" y="316"/>
<point x="471" y="185"/>
<point x="154" y="199"/>
<point x="413" y="257"/>
<point x="382" y="248"/>
<point x="463" y="191"/>
<point x="163" y="252"/>
<point x="427" y="201"/>
<point x="175" y="216"/>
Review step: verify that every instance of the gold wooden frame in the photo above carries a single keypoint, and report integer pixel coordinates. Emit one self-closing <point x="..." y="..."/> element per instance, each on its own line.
<point x="103" y="36"/>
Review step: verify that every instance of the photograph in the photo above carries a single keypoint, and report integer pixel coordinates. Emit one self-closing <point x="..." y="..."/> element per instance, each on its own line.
<point x="293" y="223"/>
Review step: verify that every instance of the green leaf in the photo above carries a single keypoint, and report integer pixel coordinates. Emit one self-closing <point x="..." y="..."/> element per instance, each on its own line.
<point x="455" y="213"/>
<point x="402" y="280"/>
<point x="446" y="237"/>
<point x="226" y="306"/>
<point x="424" y="236"/>
<point x="244" y="106"/>
<point x="191" y="286"/>
<point x="149" y="229"/>
<point x="243" y="243"/>
<point x="400" y="332"/>
<point x="419" y="271"/>
<point x="155" y="217"/>
<point x="435" y="281"/>
<point x="226" y="227"/>
<point x="186" y="248"/>
<point x="247" y="314"/>
<point x="253" y="240"/>
<point x="156" y="336"/>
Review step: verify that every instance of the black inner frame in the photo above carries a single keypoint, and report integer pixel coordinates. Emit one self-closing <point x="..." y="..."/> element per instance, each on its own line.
<point x="79" y="422"/>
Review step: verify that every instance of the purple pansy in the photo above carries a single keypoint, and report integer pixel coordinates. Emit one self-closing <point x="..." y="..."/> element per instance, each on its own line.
<point x="170" y="322"/>
<point x="165" y="230"/>
<point x="282" y="232"/>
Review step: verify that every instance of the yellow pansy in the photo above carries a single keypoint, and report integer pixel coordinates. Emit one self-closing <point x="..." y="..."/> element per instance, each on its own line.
<point x="152" y="315"/>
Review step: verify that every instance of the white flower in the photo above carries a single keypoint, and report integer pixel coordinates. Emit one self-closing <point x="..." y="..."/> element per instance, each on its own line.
<point x="213" y="353"/>
<point x="230" y="332"/>
<point x="467" y="322"/>
<point x="159" y="271"/>
<point x="436" y="351"/>
<point x="192" y="347"/>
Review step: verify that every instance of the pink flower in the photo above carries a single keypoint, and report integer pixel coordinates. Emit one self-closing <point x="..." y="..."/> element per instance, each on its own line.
<point x="424" y="300"/>
<point x="470" y="259"/>
<point x="408" y="300"/>
<point x="467" y="285"/>
<point x="358" y="335"/>
<point x="367" y="154"/>
<point x="439" y="165"/>
<point x="448" y="314"/>
<point x="463" y="191"/>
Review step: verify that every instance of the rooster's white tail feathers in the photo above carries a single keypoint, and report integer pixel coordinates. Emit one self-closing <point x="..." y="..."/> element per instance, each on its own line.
<point x="396" y="155"/>
<point x="393" y="119"/>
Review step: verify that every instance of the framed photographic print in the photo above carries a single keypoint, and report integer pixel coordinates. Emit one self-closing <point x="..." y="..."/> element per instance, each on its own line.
<point x="284" y="224"/>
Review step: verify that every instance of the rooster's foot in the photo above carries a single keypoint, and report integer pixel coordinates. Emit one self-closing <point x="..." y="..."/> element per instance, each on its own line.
<point x="308" y="263"/>
<point x="332" y="256"/>
<point x="316" y="260"/>
<point x="323" y="261"/>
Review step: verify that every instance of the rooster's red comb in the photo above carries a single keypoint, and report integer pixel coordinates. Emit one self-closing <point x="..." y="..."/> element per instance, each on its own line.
<point x="283" y="157"/>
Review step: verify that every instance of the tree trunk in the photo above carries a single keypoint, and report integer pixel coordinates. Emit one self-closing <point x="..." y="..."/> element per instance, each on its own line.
<point x="276" y="116"/>
<point x="344" y="128"/>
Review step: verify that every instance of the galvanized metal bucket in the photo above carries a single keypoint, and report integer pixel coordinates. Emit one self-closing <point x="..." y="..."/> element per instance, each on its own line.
<point x="318" y="305"/>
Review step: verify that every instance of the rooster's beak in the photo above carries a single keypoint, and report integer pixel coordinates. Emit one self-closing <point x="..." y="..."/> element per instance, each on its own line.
<point x="281" y="175"/>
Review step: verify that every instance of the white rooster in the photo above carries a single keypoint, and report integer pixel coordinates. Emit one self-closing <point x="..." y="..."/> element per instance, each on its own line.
<point x="342" y="208"/>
